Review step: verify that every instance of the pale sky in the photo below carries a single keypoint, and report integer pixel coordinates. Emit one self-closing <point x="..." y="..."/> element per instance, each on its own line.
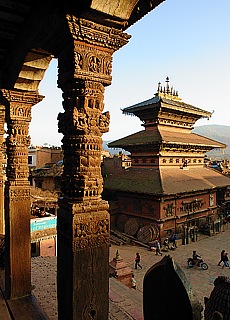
<point x="186" y="40"/>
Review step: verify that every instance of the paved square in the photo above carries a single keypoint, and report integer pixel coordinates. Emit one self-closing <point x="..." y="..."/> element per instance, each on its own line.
<point x="130" y="302"/>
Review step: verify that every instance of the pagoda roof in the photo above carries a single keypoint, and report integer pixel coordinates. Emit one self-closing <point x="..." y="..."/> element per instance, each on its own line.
<point x="158" y="100"/>
<point x="165" y="136"/>
<point x="165" y="180"/>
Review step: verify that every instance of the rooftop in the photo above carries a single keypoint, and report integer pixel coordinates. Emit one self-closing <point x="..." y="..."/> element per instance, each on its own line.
<point x="167" y="97"/>
<point x="165" y="181"/>
<point x="166" y="136"/>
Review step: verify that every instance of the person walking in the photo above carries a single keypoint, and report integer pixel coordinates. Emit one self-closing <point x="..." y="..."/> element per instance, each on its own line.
<point x="226" y="261"/>
<point x="173" y="239"/>
<point x="158" y="248"/>
<point x="138" y="260"/>
<point x="166" y="244"/>
<point x="221" y="257"/>
<point x="134" y="283"/>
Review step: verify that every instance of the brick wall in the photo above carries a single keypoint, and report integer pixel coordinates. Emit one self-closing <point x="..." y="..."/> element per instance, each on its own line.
<point x="48" y="247"/>
<point x="43" y="157"/>
<point x="47" y="155"/>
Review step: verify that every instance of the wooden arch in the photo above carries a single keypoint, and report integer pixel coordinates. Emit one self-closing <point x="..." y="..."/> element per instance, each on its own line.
<point x="30" y="28"/>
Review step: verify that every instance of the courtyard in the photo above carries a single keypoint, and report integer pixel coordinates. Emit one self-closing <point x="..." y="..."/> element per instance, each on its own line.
<point x="126" y="303"/>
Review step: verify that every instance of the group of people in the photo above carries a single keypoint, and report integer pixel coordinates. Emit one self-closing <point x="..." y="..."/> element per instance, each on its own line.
<point x="224" y="258"/>
<point x="196" y="258"/>
<point x="157" y="246"/>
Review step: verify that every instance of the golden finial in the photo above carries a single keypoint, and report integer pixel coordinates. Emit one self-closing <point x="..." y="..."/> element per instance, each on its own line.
<point x="118" y="257"/>
<point x="159" y="87"/>
<point x="167" y="84"/>
<point x="166" y="91"/>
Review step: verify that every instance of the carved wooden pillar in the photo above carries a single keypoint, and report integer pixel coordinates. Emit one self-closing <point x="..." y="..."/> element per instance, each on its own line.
<point x="83" y="220"/>
<point x="17" y="193"/>
<point x="2" y="122"/>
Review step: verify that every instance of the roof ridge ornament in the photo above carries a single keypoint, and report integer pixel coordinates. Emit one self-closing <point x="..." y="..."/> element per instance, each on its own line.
<point x="166" y="91"/>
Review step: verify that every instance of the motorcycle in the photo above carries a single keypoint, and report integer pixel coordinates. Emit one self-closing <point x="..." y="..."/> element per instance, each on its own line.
<point x="200" y="263"/>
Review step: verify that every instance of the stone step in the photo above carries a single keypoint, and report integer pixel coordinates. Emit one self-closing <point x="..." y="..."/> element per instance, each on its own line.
<point x="128" y="301"/>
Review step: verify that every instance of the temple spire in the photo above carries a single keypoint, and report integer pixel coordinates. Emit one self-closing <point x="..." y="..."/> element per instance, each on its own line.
<point x="167" y="84"/>
<point x="166" y="91"/>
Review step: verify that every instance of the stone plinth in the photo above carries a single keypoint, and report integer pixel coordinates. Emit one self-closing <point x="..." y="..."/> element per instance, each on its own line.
<point x="119" y="269"/>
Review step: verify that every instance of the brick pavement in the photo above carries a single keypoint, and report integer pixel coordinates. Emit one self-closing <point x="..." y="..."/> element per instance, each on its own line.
<point x="126" y="303"/>
<point x="43" y="277"/>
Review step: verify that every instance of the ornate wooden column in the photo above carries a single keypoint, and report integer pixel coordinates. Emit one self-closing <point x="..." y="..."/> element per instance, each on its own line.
<point x="83" y="220"/>
<point x="17" y="193"/>
<point x="2" y="122"/>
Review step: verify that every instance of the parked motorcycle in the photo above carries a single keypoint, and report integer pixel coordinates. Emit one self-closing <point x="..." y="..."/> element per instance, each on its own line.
<point x="200" y="263"/>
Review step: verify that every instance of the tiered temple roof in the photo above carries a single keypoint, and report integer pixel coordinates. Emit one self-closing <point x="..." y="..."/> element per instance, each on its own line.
<point x="160" y="136"/>
<point x="167" y="158"/>
<point x="171" y="119"/>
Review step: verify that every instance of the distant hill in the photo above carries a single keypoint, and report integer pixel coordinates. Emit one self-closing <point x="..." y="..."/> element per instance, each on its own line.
<point x="219" y="133"/>
<point x="213" y="131"/>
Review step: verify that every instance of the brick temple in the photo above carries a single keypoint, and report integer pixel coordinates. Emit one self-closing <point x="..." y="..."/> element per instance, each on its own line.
<point x="168" y="188"/>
